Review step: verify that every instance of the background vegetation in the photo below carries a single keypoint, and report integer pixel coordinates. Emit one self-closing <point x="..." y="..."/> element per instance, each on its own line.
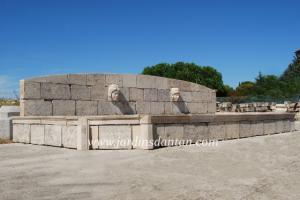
<point x="264" y="88"/>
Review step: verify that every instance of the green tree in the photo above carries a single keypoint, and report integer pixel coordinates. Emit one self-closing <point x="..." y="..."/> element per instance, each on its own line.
<point x="204" y="75"/>
<point x="244" y="89"/>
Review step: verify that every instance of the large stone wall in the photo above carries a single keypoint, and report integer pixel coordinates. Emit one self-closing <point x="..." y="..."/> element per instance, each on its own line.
<point x="87" y="94"/>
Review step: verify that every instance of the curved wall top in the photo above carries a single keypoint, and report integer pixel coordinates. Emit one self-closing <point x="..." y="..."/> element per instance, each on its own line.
<point x="94" y="94"/>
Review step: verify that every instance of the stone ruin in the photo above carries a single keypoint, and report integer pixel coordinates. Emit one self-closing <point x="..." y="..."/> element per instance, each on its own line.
<point x="85" y="111"/>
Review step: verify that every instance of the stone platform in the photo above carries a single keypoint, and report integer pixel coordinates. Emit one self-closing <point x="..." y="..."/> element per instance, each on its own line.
<point x="145" y="131"/>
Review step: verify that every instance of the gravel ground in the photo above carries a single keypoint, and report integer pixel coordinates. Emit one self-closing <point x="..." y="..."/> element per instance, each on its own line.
<point x="266" y="167"/>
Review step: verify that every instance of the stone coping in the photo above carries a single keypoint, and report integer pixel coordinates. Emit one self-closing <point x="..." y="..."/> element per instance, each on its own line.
<point x="161" y="119"/>
<point x="224" y="117"/>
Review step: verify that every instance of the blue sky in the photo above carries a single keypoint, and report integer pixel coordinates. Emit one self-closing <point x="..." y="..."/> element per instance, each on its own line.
<point x="238" y="38"/>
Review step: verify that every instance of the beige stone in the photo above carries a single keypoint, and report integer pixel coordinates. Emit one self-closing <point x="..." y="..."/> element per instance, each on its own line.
<point x="96" y="79"/>
<point x="55" y="91"/>
<point x="69" y="136"/>
<point x="195" y="132"/>
<point x="37" y="134"/>
<point x="143" y="107"/>
<point x="77" y="79"/>
<point x="94" y="137"/>
<point x="114" y="79"/>
<point x="232" y="130"/>
<point x="30" y="90"/>
<point x="98" y="92"/>
<point x="163" y="95"/>
<point x="156" y="108"/>
<point x="115" y="137"/>
<point x="63" y="107"/>
<point x="245" y="129"/>
<point x="136" y="94"/>
<point x="217" y="131"/>
<point x="129" y="80"/>
<point x="150" y="94"/>
<point x="80" y="92"/>
<point x="53" y="135"/>
<point x="36" y="108"/>
<point x="86" y="108"/>
<point x="21" y="133"/>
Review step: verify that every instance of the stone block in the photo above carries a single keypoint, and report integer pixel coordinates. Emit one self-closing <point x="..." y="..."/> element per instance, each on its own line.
<point x="116" y="108"/>
<point x="287" y="126"/>
<point x="98" y="92"/>
<point x="63" y="107"/>
<point x="279" y="126"/>
<point x="37" y="134"/>
<point x="245" y="129"/>
<point x="232" y="130"/>
<point x="156" y="108"/>
<point x="136" y="94"/>
<point x="55" y="91"/>
<point x="211" y="107"/>
<point x="77" y="79"/>
<point x="173" y="135"/>
<point x="69" y="136"/>
<point x="136" y="137"/>
<point x="115" y="137"/>
<point x="61" y="79"/>
<point x="80" y="92"/>
<point x="269" y="127"/>
<point x="168" y="108"/>
<point x="86" y="108"/>
<point x="6" y="112"/>
<point x="96" y="79"/>
<point x="30" y="90"/>
<point x="143" y="107"/>
<point x="36" y="108"/>
<point x="158" y="131"/>
<point x="150" y="94"/>
<point x="196" y="108"/>
<point x="53" y="135"/>
<point x="200" y="96"/>
<point x="21" y="133"/>
<point x="194" y="133"/>
<point x="257" y="128"/>
<point x="217" y="131"/>
<point x="163" y="95"/>
<point x="114" y="79"/>
<point x="94" y="137"/>
<point x="82" y="134"/>
<point x="186" y="96"/>
<point x="144" y="81"/>
<point x="129" y="80"/>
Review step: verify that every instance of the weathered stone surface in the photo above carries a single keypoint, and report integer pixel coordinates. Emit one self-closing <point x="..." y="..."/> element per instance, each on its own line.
<point x="114" y="79"/>
<point x="211" y="107"/>
<point x="106" y="108"/>
<point x="173" y="135"/>
<point x="37" y="134"/>
<point x="129" y="80"/>
<point x="168" y="107"/>
<point x="286" y="126"/>
<point x="53" y="135"/>
<point x="146" y="81"/>
<point x="80" y="92"/>
<point x="30" y="90"/>
<point x="55" y="91"/>
<point x="77" y="79"/>
<point x="86" y="108"/>
<point x="279" y="126"/>
<point x="257" y="128"/>
<point x="63" y="107"/>
<point x="156" y="108"/>
<point x="136" y="94"/>
<point x="150" y="94"/>
<point x="6" y="112"/>
<point x="115" y="137"/>
<point x="269" y="127"/>
<point x="98" y="92"/>
<point x="143" y="107"/>
<point x="36" y="108"/>
<point x="96" y="79"/>
<point x="62" y="79"/>
<point x="21" y="133"/>
<point x="186" y="96"/>
<point x="232" y="130"/>
<point x="69" y="136"/>
<point x="163" y="95"/>
<point x="245" y="129"/>
<point x="195" y="132"/>
<point x="217" y="131"/>
<point x="136" y="136"/>
<point x="94" y="137"/>
<point x="197" y="107"/>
